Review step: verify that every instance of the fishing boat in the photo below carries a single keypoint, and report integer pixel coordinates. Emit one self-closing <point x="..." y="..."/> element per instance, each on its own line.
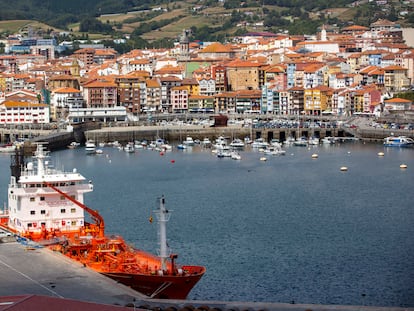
<point x="398" y="141"/>
<point x="47" y="207"/>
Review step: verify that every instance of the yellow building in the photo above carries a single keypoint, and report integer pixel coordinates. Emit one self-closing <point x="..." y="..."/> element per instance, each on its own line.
<point x="318" y="100"/>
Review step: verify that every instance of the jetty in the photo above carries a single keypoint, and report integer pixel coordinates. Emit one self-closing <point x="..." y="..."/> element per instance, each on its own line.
<point x="52" y="274"/>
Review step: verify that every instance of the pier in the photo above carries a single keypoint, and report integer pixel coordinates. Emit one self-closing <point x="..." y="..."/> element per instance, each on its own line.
<point x="54" y="275"/>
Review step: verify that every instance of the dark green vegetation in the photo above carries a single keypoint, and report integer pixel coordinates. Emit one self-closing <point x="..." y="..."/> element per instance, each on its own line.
<point x="158" y="23"/>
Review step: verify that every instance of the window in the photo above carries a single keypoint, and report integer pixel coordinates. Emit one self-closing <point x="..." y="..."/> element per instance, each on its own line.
<point x="29" y="225"/>
<point x="42" y="198"/>
<point x="62" y="211"/>
<point x="32" y="199"/>
<point x="42" y="212"/>
<point x="73" y="223"/>
<point x="62" y="197"/>
<point x="32" y="212"/>
<point x="73" y="210"/>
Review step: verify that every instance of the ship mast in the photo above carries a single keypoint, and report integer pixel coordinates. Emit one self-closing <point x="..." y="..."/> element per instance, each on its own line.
<point x="163" y="217"/>
<point x="40" y="155"/>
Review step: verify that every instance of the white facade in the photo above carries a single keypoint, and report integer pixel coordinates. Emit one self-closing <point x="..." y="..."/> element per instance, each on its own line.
<point x="24" y="113"/>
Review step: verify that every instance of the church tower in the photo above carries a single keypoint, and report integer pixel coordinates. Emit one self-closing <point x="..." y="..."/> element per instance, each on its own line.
<point x="184" y="45"/>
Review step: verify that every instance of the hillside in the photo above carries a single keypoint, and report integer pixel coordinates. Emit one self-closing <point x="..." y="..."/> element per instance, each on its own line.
<point x="160" y="22"/>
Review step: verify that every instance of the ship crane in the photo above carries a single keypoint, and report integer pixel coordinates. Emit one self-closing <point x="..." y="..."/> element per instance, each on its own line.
<point x="96" y="217"/>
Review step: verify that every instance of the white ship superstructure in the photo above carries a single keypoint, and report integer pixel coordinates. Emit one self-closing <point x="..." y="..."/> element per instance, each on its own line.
<point x="34" y="207"/>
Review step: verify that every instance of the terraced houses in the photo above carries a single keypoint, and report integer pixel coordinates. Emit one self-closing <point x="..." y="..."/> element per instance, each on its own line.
<point x="354" y="70"/>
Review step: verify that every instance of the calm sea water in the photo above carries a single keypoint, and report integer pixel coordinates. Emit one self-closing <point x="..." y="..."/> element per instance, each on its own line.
<point x="292" y="228"/>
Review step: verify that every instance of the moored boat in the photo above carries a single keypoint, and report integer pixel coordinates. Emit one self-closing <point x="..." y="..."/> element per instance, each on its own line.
<point x="90" y="147"/>
<point x="188" y="141"/>
<point x="237" y="143"/>
<point x="398" y="141"/>
<point x="7" y="148"/>
<point x="47" y="207"/>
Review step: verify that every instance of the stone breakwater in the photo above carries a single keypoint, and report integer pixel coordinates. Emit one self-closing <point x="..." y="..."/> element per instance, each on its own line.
<point x="179" y="133"/>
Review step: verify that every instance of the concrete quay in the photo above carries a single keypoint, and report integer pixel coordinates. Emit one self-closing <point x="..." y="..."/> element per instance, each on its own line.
<point x="26" y="269"/>
<point x="176" y="133"/>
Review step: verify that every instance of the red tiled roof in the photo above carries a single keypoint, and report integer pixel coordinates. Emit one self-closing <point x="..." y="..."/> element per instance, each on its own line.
<point x="216" y="47"/>
<point x="397" y="100"/>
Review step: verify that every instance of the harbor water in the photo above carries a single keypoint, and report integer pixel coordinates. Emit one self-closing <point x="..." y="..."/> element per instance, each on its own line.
<point x="292" y="229"/>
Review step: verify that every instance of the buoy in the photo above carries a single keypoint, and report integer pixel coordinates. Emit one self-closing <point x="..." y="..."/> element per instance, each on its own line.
<point x="344" y="168"/>
<point x="172" y="161"/>
<point x="161" y="153"/>
<point x="380" y="154"/>
<point x="263" y="159"/>
<point x="403" y="166"/>
<point x="314" y="156"/>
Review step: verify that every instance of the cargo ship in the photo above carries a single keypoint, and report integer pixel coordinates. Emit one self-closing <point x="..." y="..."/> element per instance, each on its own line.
<point x="46" y="205"/>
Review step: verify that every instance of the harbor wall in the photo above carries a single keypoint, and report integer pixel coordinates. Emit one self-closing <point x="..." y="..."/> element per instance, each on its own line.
<point x="178" y="134"/>
<point x="58" y="139"/>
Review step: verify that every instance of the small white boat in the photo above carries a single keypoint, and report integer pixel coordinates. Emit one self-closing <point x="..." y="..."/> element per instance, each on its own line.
<point x="73" y="145"/>
<point x="313" y="141"/>
<point x="260" y="143"/>
<point x="223" y="154"/>
<point x="398" y="141"/>
<point x="90" y="147"/>
<point x="206" y="142"/>
<point x="289" y="141"/>
<point x="328" y="140"/>
<point x="235" y="155"/>
<point x="221" y="144"/>
<point x="129" y="147"/>
<point x="7" y="148"/>
<point x="188" y="141"/>
<point x="301" y="142"/>
<point x="237" y="143"/>
<point x="166" y="147"/>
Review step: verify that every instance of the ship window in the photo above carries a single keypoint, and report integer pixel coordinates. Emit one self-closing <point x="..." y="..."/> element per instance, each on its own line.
<point x="43" y="212"/>
<point x="62" y="197"/>
<point x="43" y="224"/>
<point x="62" y="210"/>
<point x="32" y="212"/>
<point x="32" y="199"/>
<point x="29" y="225"/>
<point x="42" y="198"/>
<point x="73" y="210"/>
<point x="73" y="222"/>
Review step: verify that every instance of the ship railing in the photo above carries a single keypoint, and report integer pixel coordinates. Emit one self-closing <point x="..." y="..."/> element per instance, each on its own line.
<point x="36" y="186"/>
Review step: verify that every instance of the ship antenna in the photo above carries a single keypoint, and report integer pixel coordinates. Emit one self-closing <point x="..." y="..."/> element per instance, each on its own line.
<point x="163" y="217"/>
